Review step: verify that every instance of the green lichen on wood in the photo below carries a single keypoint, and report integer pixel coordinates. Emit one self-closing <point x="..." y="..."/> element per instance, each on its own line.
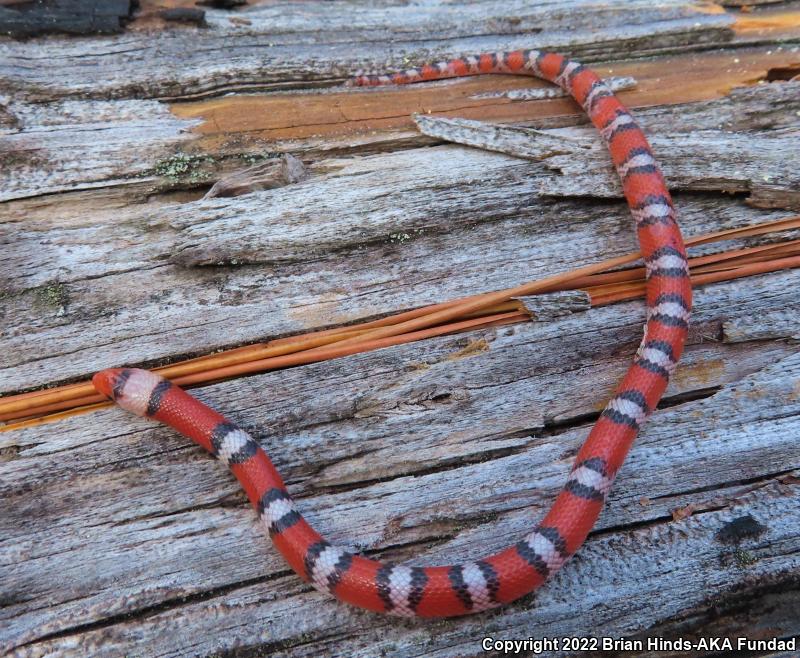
<point x="254" y="158"/>
<point x="401" y="237"/>
<point x="185" y="167"/>
<point x="744" y="558"/>
<point x="52" y="295"/>
<point x="194" y="169"/>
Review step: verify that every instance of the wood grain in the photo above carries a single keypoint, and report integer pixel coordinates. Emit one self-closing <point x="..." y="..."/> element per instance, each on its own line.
<point x="286" y="44"/>
<point x="118" y="538"/>
<point x="313" y="251"/>
<point x="483" y="465"/>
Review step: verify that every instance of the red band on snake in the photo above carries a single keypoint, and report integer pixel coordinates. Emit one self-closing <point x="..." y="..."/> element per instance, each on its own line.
<point x="445" y="591"/>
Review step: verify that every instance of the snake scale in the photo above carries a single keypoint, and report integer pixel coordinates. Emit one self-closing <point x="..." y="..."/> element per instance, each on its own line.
<point x="445" y="591"/>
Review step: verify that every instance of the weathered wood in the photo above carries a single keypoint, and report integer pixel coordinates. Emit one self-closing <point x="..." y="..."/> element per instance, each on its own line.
<point x="118" y="142"/>
<point x="477" y="442"/>
<point x="324" y="267"/>
<point x="119" y="538"/>
<point x="615" y="83"/>
<point x="546" y="307"/>
<point x="286" y="44"/>
<point x="141" y="143"/>
<point x="276" y="172"/>
<point x="74" y="310"/>
<point x="365" y="118"/>
<point x="703" y="158"/>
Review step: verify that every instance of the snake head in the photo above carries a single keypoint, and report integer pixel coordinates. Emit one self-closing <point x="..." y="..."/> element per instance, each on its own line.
<point x="131" y="388"/>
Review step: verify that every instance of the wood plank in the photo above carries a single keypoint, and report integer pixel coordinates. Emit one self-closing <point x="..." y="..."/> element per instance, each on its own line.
<point x="116" y="142"/>
<point x="692" y="160"/>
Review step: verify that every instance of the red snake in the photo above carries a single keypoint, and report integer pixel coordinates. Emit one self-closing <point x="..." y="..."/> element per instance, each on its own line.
<point x="446" y="591"/>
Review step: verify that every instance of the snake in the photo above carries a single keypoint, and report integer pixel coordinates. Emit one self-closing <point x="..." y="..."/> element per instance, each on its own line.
<point x="469" y="587"/>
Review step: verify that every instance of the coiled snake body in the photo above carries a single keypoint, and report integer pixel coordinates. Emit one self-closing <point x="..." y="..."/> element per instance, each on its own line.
<point x="444" y="591"/>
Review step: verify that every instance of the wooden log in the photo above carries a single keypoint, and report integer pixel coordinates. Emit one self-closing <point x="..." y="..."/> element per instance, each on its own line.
<point x="130" y="140"/>
<point x="119" y="538"/>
